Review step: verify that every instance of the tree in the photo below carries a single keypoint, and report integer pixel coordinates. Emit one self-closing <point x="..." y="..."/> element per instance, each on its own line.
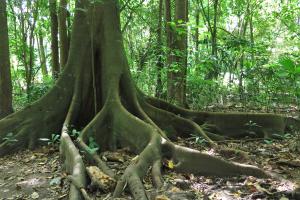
<point x="5" y="77"/>
<point x="212" y="28"/>
<point x="177" y="43"/>
<point x="63" y="32"/>
<point x="159" y="51"/>
<point x="54" y="39"/>
<point x="42" y="54"/>
<point x="120" y="115"/>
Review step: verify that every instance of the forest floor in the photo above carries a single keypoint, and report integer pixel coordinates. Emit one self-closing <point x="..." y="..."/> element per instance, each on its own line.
<point x="38" y="174"/>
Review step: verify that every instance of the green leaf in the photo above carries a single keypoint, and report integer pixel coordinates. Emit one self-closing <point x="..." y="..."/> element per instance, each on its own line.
<point x="287" y="63"/>
<point x="268" y="141"/>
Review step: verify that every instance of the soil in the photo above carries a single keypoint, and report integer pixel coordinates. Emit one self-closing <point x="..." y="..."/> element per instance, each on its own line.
<point x="32" y="175"/>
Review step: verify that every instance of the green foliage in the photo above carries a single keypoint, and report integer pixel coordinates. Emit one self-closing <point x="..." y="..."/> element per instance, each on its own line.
<point x="198" y="139"/>
<point x="10" y="138"/>
<point x="54" y="140"/>
<point x="74" y="133"/>
<point x="258" y="67"/>
<point x="93" y="146"/>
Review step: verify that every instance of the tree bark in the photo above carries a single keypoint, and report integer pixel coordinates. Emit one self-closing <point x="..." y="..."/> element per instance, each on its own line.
<point x="5" y="76"/>
<point x="54" y="39"/>
<point x="63" y="32"/>
<point x="159" y="52"/>
<point x="42" y="54"/>
<point x="197" y="17"/>
<point x="178" y="62"/>
<point x="214" y="71"/>
<point x="169" y="44"/>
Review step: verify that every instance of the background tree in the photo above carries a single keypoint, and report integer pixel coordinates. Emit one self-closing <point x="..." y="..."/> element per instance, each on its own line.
<point x="5" y="77"/>
<point x="63" y="31"/>
<point x="159" y="50"/>
<point x="177" y="44"/>
<point x="54" y="38"/>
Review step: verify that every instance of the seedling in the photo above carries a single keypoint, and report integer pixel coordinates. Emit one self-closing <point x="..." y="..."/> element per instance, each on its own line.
<point x="74" y="133"/>
<point x="198" y="139"/>
<point x="93" y="146"/>
<point x="55" y="139"/>
<point x="10" y="138"/>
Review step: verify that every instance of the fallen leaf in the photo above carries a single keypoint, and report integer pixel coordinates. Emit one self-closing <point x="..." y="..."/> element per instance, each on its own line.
<point x="35" y="195"/>
<point x="170" y="164"/>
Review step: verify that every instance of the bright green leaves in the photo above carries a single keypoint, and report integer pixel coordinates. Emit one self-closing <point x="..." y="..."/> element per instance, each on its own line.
<point x="288" y="67"/>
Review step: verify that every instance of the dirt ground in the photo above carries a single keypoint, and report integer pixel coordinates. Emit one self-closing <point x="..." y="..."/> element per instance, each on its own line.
<point x="38" y="174"/>
<point x="32" y="175"/>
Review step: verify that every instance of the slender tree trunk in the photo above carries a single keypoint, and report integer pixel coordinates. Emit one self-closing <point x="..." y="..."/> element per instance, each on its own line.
<point x="178" y="74"/>
<point x="243" y="31"/>
<point x="54" y="39"/>
<point x="214" y="31"/>
<point x="251" y="38"/>
<point x="214" y="72"/>
<point x="63" y="32"/>
<point x="5" y="76"/>
<point x="42" y="55"/>
<point x="159" y="64"/>
<point x="169" y="42"/>
<point x="197" y="16"/>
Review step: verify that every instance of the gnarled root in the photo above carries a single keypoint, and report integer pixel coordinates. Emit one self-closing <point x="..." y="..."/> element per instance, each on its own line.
<point x="185" y="159"/>
<point x="134" y="174"/>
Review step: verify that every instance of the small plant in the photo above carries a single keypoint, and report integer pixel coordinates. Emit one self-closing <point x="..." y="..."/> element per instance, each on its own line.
<point x="268" y="141"/>
<point x="252" y="124"/>
<point x="282" y="137"/>
<point x="10" y="138"/>
<point x="93" y="146"/>
<point x="74" y="133"/>
<point x="198" y="139"/>
<point x="55" y="139"/>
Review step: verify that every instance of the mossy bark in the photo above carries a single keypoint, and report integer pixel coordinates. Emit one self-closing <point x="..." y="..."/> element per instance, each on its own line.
<point x="96" y="91"/>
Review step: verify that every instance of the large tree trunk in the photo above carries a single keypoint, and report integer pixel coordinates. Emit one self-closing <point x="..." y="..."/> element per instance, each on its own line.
<point x="5" y="77"/>
<point x="96" y="91"/>
<point x="54" y="39"/>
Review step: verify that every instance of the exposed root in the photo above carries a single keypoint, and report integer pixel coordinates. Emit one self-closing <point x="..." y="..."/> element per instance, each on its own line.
<point x="191" y="161"/>
<point x="79" y="187"/>
<point x="95" y="157"/>
<point x="180" y="125"/>
<point x="74" y="165"/>
<point x="186" y="127"/>
<point x="156" y="174"/>
<point x="135" y="172"/>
